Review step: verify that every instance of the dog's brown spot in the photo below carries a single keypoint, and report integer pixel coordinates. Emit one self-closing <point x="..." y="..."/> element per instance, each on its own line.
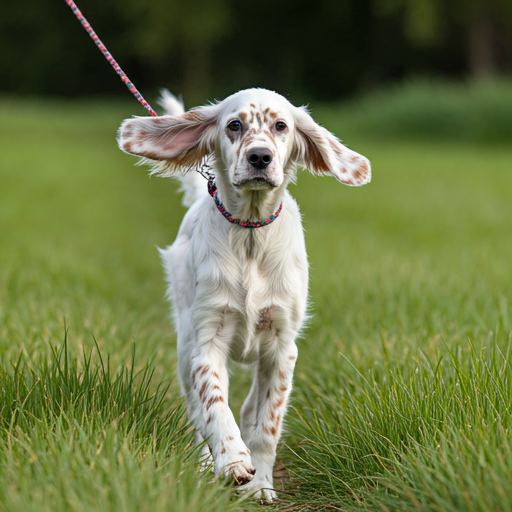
<point x="208" y="420"/>
<point x="231" y="438"/>
<point x="196" y="116"/>
<point x="337" y="150"/>
<point x="216" y="375"/>
<point x="249" y="137"/>
<point x="127" y="146"/>
<point x="271" y="137"/>
<point x="127" y="133"/>
<point x="292" y="358"/>
<point x="247" y="140"/>
<point x="273" y="430"/>
<point x="243" y="116"/>
<point x="253" y="105"/>
<point x="358" y="175"/>
<point x="283" y="389"/>
<point x="143" y="135"/>
<point x="279" y="402"/>
<point x="216" y="387"/>
<point x="314" y="159"/>
<point x="213" y="400"/>
<point x="272" y="415"/>
<point x="268" y="394"/>
<point x="198" y="369"/>
<point x="282" y="376"/>
<point x="223" y="450"/>
<point x="354" y="158"/>
<point x="266" y="430"/>
<point x="202" y="391"/>
<point x="266" y="321"/>
<point x="205" y="369"/>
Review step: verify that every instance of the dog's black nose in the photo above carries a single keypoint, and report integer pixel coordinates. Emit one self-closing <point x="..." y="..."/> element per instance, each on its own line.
<point x="259" y="157"/>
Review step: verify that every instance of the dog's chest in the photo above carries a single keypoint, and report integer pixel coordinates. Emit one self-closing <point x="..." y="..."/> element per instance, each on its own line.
<point x="268" y="277"/>
<point x="254" y="286"/>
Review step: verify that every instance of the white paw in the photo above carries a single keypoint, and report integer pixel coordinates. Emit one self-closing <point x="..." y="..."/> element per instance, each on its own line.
<point x="260" y="489"/>
<point x="239" y="472"/>
<point x="236" y="466"/>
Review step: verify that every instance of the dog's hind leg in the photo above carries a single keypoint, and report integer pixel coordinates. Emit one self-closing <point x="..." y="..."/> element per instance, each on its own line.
<point x="249" y="410"/>
<point x="271" y="391"/>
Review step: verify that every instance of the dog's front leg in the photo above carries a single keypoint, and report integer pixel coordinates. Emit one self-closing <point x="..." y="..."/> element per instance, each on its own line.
<point x="274" y="383"/>
<point x="216" y="423"/>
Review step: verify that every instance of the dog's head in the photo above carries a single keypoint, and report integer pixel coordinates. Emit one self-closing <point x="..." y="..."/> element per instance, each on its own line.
<point x="256" y="136"/>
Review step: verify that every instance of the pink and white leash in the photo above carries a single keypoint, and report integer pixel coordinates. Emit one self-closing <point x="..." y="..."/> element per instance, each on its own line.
<point x="109" y="57"/>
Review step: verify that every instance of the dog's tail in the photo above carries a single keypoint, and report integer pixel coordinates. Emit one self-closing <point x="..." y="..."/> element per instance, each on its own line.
<point x="193" y="185"/>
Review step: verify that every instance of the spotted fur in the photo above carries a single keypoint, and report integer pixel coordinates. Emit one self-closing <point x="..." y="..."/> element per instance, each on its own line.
<point x="239" y="293"/>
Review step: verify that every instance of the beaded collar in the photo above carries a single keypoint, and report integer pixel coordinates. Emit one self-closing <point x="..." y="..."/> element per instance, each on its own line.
<point x="212" y="190"/>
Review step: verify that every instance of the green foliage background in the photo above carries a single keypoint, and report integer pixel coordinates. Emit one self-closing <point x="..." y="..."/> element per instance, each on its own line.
<point x="206" y="49"/>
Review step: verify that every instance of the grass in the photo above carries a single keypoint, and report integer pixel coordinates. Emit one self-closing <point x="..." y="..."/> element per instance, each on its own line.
<point x="403" y="383"/>
<point x="76" y="437"/>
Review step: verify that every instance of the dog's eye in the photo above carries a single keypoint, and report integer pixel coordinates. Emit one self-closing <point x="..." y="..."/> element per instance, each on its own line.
<point x="235" y="125"/>
<point x="280" y="126"/>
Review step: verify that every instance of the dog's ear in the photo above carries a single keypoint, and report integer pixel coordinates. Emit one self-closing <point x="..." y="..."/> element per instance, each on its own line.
<point x="319" y="151"/>
<point x="171" y="143"/>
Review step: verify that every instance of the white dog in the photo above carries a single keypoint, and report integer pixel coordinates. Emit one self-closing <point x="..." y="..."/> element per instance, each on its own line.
<point x="238" y="270"/>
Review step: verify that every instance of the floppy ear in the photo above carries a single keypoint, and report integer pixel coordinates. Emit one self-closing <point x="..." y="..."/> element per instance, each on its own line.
<point x="322" y="153"/>
<point x="173" y="143"/>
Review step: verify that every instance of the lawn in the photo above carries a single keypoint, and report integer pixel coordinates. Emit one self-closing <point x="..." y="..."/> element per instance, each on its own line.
<point x="403" y="385"/>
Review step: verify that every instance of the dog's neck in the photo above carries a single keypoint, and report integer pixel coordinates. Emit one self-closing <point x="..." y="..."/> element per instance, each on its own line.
<point x="251" y="205"/>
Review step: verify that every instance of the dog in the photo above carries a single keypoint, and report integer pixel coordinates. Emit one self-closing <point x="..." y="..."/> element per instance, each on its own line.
<point x="238" y="272"/>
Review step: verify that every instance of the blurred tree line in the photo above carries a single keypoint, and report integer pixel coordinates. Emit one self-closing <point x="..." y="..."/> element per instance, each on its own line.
<point x="323" y="49"/>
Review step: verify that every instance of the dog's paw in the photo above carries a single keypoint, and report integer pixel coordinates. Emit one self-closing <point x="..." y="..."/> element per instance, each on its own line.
<point x="239" y="473"/>
<point x="260" y="489"/>
<point x="236" y="465"/>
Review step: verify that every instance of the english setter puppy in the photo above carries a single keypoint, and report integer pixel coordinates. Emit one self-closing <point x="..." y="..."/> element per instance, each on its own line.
<point x="238" y="269"/>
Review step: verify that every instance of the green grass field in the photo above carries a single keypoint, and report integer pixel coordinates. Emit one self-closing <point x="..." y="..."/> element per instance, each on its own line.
<point x="403" y="386"/>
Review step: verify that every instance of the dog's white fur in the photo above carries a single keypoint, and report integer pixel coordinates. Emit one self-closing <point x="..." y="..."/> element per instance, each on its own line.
<point x="239" y="293"/>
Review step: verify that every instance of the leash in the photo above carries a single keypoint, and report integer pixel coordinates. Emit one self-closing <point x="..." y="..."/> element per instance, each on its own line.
<point x="109" y="57"/>
<point x="205" y="169"/>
